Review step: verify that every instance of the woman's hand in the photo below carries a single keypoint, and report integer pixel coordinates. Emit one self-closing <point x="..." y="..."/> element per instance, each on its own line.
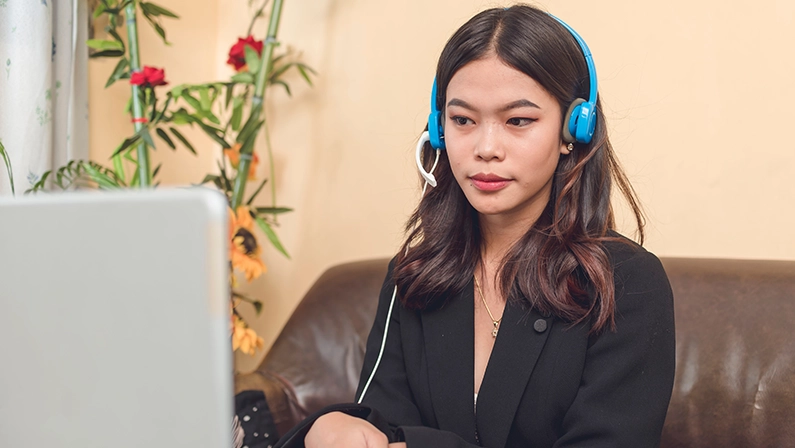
<point x="339" y="430"/>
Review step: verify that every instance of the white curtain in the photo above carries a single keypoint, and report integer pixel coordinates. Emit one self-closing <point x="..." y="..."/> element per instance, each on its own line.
<point x="43" y="86"/>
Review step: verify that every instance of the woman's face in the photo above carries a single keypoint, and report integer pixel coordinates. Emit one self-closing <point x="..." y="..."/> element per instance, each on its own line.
<point x="503" y="137"/>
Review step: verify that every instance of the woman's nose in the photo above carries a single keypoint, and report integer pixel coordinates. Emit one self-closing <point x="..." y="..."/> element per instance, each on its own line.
<point x="489" y="144"/>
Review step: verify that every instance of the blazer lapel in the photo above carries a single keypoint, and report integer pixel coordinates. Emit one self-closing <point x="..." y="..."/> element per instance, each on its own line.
<point x="521" y="338"/>
<point x="449" y="346"/>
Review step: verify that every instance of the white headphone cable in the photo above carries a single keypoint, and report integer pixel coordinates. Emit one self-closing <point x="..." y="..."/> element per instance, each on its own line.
<point x="429" y="180"/>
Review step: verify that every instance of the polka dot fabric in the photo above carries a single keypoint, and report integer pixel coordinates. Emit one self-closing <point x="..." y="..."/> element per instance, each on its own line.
<point x="256" y="421"/>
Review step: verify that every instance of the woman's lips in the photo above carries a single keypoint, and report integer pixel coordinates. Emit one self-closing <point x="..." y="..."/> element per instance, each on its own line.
<point x="489" y="182"/>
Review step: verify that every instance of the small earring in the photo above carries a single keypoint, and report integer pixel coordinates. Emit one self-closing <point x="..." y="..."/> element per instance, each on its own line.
<point x="570" y="147"/>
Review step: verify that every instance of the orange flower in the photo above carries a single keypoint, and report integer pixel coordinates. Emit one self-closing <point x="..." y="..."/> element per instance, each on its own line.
<point x="244" y="251"/>
<point x="233" y="154"/>
<point x="244" y="338"/>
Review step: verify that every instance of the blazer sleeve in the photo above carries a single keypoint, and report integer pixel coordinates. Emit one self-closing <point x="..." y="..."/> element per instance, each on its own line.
<point x="388" y="402"/>
<point x="388" y="390"/>
<point x="628" y="375"/>
<point x="389" y="396"/>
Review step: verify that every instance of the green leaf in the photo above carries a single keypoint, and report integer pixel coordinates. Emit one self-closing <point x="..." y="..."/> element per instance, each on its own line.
<point x="243" y="78"/>
<point x="38" y="186"/>
<point x="248" y="143"/>
<point x="126" y="144"/>
<point x="102" y="179"/>
<point x="215" y="91"/>
<point x="8" y="167"/>
<point x="147" y="137"/>
<point x="181" y="117"/>
<point x="157" y="169"/>
<point x="216" y="180"/>
<point x="158" y="29"/>
<point x="119" y="72"/>
<point x="210" y="131"/>
<point x="266" y="228"/>
<point x="107" y="54"/>
<point x="276" y="59"/>
<point x="237" y="113"/>
<point x="162" y="134"/>
<point x="209" y="178"/>
<point x="101" y="44"/>
<point x="65" y="174"/>
<point x="160" y="115"/>
<point x="302" y="69"/>
<point x="211" y="116"/>
<point x="227" y="184"/>
<point x="183" y="140"/>
<point x="136" y="179"/>
<point x="256" y="192"/>
<point x="156" y="10"/>
<point x="256" y="303"/>
<point x="194" y="103"/>
<point x="253" y="60"/>
<point x="98" y="11"/>
<point x="280" y="71"/>
<point x="251" y="128"/>
<point x="176" y="91"/>
<point x="229" y="92"/>
<point x="272" y="210"/>
<point x="204" y="99"/>
<point x="283" y="84"/>
<point x="112" y="32"/>
<point x="250" y="122"/>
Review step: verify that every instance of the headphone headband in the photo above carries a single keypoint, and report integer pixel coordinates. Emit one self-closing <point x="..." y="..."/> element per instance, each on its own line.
<point x="586" y="52"/>
<point x="579" y="122"/>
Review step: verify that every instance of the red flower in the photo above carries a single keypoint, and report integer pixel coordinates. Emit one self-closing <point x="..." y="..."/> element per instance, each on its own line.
<point x="149" y="77"/>
<point x="237" y="54"/>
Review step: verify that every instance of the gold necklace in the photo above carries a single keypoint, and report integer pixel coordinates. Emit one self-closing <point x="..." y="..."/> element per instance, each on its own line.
<point x="495" y="322"/>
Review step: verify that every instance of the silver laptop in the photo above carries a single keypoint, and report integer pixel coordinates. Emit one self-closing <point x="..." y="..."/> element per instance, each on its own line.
<point x="114" y="321"/>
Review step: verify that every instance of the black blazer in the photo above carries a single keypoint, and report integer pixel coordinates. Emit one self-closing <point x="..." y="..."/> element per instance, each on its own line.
<point x="547" y="383"/>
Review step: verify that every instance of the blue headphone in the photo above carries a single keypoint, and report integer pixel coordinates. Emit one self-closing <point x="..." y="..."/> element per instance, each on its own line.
<point x="579" y="122"/>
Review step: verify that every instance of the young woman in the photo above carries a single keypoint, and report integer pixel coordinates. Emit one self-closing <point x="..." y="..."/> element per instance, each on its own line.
<point x="522" y="318"/>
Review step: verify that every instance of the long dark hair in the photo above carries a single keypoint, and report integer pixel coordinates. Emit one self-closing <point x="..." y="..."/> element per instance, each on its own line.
<point x="560" y="265"/>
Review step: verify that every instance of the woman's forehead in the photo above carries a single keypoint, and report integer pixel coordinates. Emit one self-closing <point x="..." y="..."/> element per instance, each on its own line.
<point x="490" y="82"/>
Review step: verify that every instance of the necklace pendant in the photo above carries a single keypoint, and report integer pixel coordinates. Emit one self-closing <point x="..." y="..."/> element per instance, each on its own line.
<point x="494" y="331"/>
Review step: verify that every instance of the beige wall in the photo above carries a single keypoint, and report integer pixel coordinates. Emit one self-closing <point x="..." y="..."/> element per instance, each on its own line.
<point x="697" y="94"/>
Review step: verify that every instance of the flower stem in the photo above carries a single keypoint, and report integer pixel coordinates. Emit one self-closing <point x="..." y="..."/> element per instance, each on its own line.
<point x="258" y="100"/>
<point x="271" y="169"/>
<point x="256" y="16"/>
<point x="144" y="175"/>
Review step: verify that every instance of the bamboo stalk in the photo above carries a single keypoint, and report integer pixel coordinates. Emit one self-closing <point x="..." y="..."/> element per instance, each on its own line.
<point x="258" y="100"/>
<point x="144" y="174"/>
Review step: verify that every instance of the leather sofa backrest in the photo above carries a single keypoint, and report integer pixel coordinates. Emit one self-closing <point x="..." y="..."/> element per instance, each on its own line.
<point x="735" y="366"/>
<point x="735" y="354"/>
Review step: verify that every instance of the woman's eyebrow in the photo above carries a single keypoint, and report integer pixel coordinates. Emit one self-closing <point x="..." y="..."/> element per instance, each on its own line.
<point x="521" y="103"/>
<point x="513" y="105"/>
<point x="460" y="103"/>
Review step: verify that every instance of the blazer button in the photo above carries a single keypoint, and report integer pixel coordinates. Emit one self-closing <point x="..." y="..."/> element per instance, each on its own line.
<point x="540" y="326"/>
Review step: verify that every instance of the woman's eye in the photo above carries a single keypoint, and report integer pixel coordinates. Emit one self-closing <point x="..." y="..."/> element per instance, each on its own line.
<point x="461" y="121"/>
<point x="520" y="121"/>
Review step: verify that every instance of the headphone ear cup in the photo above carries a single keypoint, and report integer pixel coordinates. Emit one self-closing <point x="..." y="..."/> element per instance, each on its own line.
<point x="586" y="122"/>
<point x="435" y="131"/>
<point x="570" y="119"/>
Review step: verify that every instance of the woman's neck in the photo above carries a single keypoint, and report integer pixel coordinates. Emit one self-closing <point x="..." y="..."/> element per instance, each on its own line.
<point x="499" y="234"/>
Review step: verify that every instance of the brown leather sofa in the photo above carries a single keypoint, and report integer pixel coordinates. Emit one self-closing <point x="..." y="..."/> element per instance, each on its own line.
<point x="735" y="350"/>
